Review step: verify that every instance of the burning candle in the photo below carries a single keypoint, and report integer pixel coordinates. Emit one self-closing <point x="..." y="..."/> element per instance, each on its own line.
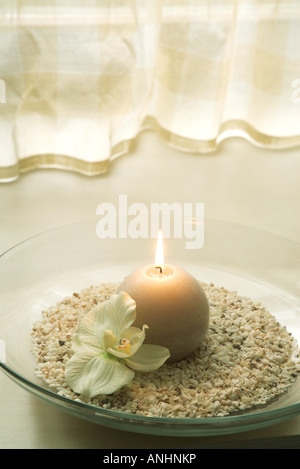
<point x="171" y="302"/>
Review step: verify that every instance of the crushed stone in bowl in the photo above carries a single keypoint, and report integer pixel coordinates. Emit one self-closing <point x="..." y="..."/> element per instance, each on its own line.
<point x="246" y="359"/>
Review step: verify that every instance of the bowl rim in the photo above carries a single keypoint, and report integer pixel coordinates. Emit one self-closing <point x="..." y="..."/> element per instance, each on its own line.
<point x="191" y="421"/>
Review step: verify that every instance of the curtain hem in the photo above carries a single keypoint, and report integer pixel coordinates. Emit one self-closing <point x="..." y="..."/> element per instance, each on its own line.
<point x="229" y="129"/>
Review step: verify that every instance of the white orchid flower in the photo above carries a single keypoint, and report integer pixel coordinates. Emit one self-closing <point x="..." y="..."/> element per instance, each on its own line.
<point x="107" y="349"/>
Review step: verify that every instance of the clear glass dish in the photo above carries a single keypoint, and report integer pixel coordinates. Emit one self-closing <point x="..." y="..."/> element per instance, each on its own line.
<point x="42" y="270"/>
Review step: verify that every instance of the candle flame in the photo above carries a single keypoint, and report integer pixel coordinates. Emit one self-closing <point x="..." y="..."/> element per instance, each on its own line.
<point x="159" y="256"/>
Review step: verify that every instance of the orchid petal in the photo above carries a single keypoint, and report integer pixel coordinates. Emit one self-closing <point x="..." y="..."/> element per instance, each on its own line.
<point x="118" y="353"/>
<point x="148" y="358"/>
<point x="128" y="333"/>
<point x="109" y="340"/>
<point x="86" y="338"/>
<point x="137" y="339"/>
<point x="115" y="314"/>
<point x="91" y="376"/>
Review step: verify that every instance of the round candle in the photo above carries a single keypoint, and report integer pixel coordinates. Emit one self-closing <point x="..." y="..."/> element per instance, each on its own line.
<point x="172" y="303"/>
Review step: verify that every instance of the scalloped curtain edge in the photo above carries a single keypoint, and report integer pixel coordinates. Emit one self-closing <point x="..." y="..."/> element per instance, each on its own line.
<point x="230" y="129"/>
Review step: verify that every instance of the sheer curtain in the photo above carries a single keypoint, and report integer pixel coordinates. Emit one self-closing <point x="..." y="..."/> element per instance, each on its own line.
<point x="80" y="79"/>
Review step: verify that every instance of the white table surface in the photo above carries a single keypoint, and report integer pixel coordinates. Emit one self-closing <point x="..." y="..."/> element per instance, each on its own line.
<point x="239" y="183"/>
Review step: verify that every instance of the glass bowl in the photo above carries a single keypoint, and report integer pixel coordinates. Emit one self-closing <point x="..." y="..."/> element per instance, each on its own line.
<point x="42" y="270"/>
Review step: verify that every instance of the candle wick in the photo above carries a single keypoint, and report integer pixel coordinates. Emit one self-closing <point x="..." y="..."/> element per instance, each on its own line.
<point x="159" y="267"/>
